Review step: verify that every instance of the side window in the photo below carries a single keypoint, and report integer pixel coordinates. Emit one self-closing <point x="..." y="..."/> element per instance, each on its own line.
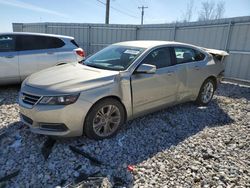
<point x="29" y="42"/>
<point x="184" y="55"/>
<point x="7" y="43"/>
<point x="160" y="58"/>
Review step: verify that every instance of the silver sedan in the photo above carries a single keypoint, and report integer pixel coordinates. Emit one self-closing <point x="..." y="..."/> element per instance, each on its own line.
<point x="123" y="81"/>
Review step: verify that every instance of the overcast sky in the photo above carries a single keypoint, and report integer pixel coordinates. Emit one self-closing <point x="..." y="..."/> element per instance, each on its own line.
<point x="93" y="11"/>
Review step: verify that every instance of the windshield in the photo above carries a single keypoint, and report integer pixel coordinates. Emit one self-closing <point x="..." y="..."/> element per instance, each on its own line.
<point x="114" y="57"/>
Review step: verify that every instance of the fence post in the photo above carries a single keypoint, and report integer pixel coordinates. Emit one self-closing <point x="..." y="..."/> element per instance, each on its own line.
<point x="174" y="32"/>
<point x="228" y="36"/>
<point x="136" y="32"/>
<point x="46" y="27"/>
<point x="89" y="38"/>
<point x="22" y="27"/>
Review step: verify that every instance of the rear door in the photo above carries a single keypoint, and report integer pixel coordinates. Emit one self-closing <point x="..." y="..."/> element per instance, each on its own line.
<point x="151" y="91"/>
<point x="9" y="69"/>
<point x="54" y="47"/>
<point x="34" y="54"/>
<point x="67" y="54"/>
<point x="193" y="65"/>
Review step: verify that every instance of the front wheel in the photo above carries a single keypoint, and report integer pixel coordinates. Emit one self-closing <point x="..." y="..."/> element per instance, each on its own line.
<point x="104" y="119"/>
<point x="206" y="92"/>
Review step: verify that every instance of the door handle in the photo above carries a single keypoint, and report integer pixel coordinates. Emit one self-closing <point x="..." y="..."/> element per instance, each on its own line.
<point x="170" y="73"/>
<point x="197" y="67"/>
<point x="9" y="56"/>
<point x="50" y="53"/>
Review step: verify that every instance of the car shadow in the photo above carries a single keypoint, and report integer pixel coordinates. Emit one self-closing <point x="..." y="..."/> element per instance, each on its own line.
<point x="233" y="90"/>
<point x="9" y="94"/>
<point x="137" y="141"/>
<point x="144" y="137"/>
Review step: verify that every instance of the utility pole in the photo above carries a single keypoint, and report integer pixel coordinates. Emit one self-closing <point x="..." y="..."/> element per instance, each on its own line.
<point x="142" y="13"/>
<point x="107" y="12"/>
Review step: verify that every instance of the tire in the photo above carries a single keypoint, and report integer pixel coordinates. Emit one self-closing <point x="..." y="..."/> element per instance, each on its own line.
<point x="201" y="99"/>
<point x="100" y="123"/>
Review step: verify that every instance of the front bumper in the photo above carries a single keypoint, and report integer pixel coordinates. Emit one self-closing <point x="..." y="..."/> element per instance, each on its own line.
<point x="55" y="120"/>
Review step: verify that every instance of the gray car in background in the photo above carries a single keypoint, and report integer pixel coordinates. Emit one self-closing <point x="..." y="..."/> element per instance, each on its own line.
<point x="120" y="82"/>
<point x="22" y="54"/>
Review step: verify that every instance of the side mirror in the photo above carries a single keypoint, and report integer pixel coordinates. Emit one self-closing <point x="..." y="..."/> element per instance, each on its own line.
<point x="146" y="68"/>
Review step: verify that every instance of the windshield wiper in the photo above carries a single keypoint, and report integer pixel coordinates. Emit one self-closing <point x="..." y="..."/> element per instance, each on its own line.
<point x="95" y="66"/>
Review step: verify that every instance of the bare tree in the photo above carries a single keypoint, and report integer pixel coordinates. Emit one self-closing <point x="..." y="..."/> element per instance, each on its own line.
<point x="210" y="10"/>
<point x="207" y="10"/>
<point x="220" y="10"/>
<point x="188" y="14"/>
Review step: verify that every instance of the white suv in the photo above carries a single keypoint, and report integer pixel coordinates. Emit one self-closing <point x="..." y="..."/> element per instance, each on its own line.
<point x="22" y="54"/>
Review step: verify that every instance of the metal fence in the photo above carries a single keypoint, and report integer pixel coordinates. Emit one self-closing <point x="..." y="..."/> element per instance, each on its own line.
<point x="231" y="34"/>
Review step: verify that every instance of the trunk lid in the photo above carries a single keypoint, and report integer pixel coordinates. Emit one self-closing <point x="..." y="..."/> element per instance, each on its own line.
<point x="217" y="54"/>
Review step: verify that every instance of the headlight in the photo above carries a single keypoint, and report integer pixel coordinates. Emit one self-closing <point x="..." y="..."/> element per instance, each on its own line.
<point x="59" y="100"/>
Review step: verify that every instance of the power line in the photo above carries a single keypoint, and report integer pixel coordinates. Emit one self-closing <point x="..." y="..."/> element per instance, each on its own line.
<point x="123" y="12"/>
<point x="142" y="13"/>
<point x="101" y="2"/>
<point x="142" y="2"/>
<point x="124" y="8"/>
<point x="118" y="10"/>
<point x="135" y="3"/>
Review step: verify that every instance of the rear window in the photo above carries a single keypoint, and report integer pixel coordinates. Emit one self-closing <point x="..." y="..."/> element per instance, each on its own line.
<point x="7" y="43"/>
<point x="75" y="44"/>
<point x="184" y="55"/>
<point x="199" y="56"/>
<point x="29" y="42"/>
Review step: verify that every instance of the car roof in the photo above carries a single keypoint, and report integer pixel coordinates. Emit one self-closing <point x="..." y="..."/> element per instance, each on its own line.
<point x="151" y="43"/>
<point x="38" y="34"/>
<point x="154" y="43"/>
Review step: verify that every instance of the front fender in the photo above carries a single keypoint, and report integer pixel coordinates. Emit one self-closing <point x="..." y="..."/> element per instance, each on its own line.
<point x="118" y="90"/>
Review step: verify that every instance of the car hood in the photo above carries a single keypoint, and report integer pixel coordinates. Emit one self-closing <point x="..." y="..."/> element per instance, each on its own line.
<point x="70" y="78"/>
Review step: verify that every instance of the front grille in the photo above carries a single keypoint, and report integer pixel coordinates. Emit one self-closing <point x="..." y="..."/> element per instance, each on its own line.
<point x="27" y="119"/>
<point x="30" y="99"/>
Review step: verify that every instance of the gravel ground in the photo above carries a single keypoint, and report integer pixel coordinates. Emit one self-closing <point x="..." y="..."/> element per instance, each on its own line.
<point x="182" y="146"/>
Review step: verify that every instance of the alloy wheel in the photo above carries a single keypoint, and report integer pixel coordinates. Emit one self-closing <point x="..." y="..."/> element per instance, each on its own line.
<point x="106" y="120"/>
<point x="207" y="92"/>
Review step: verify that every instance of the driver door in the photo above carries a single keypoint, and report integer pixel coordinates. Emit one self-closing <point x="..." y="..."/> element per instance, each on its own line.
<point x="152" y="91"/>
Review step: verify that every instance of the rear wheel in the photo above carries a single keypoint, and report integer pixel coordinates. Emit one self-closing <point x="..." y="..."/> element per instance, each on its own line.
<point x="206" y="92"/>
<point x="104" y="119"/>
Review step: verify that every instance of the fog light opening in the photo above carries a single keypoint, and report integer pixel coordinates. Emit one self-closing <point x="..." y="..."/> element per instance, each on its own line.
<point x="57" y="127"/>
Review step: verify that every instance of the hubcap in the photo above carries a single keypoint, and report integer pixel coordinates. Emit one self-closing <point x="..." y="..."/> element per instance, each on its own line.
<point x="106" y="120"/>
<point x="207" y="92"/>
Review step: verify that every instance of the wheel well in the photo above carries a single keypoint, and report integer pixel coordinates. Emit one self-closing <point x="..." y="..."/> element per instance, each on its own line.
<point x="115" y="98"/>
<point x="214" y="80"/>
